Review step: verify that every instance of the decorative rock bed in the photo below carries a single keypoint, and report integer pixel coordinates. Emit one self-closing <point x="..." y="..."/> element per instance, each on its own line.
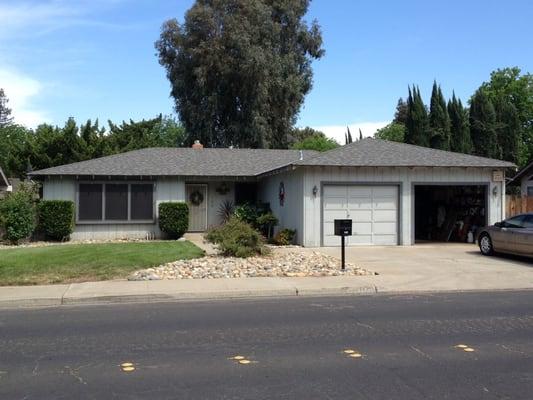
<point x="278" y="264"/>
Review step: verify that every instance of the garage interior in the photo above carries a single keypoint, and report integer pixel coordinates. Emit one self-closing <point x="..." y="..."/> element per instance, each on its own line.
<point x="449" y="213"/>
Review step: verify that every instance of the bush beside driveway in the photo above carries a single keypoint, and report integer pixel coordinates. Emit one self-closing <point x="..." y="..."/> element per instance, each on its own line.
<point x="87" y="262"/>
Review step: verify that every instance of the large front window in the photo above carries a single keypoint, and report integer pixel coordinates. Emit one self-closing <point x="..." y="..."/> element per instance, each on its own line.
<point x="112" y="202"/>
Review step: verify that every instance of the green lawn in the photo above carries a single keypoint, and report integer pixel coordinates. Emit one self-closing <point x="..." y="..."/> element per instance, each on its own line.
<point x="87" y="262"/>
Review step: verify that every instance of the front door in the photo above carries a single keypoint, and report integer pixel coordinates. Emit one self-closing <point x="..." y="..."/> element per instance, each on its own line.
<point x="197" y="202"/>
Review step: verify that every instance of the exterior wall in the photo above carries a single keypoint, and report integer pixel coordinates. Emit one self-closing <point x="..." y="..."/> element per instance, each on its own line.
<point x="405" y="178"/>
<point x="290" y="215"/>
<point x="166" y="189"/>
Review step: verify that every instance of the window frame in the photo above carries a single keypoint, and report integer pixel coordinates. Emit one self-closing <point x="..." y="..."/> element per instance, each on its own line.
<point x="103" y="220"/>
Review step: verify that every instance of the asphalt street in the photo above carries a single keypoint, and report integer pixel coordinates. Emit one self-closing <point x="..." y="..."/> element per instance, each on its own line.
<point x="363" y="347"/>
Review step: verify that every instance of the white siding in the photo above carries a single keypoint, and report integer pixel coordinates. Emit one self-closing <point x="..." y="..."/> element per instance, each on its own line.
<point x="404" y="176"/>
<point x="290" y="215"/>
<point x="166" y="189"/>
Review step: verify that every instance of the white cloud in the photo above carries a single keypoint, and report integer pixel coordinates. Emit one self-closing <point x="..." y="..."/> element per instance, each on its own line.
<point x="337" y="131"/>
<point x="20" y="89"/>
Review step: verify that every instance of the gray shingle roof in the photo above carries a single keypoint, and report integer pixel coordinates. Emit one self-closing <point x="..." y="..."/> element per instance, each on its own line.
<point x="520" y="174"/>
<point x="169" y="161"/>
<point x="371" y="152"/>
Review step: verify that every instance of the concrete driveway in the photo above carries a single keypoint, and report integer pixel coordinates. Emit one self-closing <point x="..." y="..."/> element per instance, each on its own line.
<point x="443" y="266"/>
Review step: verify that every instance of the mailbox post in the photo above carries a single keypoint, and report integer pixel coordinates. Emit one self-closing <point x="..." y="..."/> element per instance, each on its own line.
<point x="343" y="228"/>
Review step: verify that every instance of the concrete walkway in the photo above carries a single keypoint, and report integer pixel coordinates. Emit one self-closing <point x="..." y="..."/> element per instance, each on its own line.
<point x="401" y="269"/>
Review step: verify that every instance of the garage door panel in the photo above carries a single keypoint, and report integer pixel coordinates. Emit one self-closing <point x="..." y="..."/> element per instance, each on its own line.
<point x="384" y="228"/>
<point x="359" y="191"/>
<point x="385" y="215"/>
<point x="360" y="203"/>
<point x="335" y="203"/>
<point x="361" y="215"/>
<point x="362" y="228"/>
<point x="385" y="191"/>
<point x="384" y="203"/>
<point x="373" y="210"/>
<point x="332" y="215"/>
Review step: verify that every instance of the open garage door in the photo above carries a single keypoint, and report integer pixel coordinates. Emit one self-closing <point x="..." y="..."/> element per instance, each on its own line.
<point x="448" y="213"/>
<point x="373" y="210"/>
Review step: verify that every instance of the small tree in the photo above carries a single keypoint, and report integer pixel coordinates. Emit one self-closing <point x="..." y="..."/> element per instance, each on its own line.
<point x="394" y="132"/>
<point x="317" y="142"/>
<point x="17" y="213"/>
<point x="5" y="111"/>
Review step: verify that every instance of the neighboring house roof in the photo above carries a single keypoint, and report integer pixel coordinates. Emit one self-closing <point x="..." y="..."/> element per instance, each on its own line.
<point x="3" y="179"/>
<point x="372" y="152"/>
<point x="168" y="161"/>
<point x="526" y="171"/>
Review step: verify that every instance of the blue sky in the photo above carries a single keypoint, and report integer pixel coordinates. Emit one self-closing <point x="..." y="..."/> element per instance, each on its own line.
<point x="96" y="59"/>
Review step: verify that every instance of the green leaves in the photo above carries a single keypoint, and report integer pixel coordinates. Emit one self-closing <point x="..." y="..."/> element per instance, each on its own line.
<point x="240" y="69"/>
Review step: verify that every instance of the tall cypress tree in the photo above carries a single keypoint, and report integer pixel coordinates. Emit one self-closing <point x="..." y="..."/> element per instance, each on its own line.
<point x="439" y="121"/>
<point x="5" y="111"/>
<point x="417" y="122"/>
<point x="460" y="140"/>
<point x="400" y="116"/>
<point x="508" y="129"/>
<point x="483" y="126"/>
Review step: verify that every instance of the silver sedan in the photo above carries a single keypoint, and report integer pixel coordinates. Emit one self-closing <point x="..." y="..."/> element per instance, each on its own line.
<point x="514" y="235"/>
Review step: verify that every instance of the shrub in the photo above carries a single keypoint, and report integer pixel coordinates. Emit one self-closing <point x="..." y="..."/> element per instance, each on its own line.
<point x="284" y="237"/>
<point x="246" y="213"/>
<point x="56" y="218"/>
<point x="174" y="218"/>
<point x="237" y="238"/>
<point x="266" y="223"/>
<point x="17" y="214"/>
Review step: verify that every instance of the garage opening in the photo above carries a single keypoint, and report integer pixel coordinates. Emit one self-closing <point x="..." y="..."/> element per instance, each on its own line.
<point x="449" y="213"/>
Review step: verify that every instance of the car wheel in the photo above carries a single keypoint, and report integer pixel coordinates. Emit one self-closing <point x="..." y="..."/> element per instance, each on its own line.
<point x="485" y="245"/>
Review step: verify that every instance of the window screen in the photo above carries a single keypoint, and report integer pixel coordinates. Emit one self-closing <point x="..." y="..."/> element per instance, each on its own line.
<point x="116" y="201"/>
<point x="142" y="201"/>
<point x="90" y="202"/>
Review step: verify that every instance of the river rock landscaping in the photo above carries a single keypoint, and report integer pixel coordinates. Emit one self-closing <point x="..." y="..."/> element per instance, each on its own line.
<point x="278" y="264"/>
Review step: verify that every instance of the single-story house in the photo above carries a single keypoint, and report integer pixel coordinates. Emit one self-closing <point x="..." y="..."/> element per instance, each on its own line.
<point x="5" y="186"/>
<point x="394" y="193"/>
<point x="524" y="178"/>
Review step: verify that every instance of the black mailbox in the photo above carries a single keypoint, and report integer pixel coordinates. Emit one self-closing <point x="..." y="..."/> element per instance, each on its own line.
<point x="343" y="227"/>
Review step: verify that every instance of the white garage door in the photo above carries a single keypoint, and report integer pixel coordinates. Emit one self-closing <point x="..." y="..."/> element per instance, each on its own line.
<point x="372" y="209"/>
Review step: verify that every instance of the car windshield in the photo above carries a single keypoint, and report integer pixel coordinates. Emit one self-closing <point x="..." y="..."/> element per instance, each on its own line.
<point x="515" y="222"/>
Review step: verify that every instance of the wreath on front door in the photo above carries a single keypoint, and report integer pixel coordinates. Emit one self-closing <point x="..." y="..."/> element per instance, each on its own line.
<point x="196" y="198"/>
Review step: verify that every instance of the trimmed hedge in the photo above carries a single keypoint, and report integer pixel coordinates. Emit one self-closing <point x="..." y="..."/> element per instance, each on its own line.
<point x="174" y="218"/>
<point x="17" y="214"/>
<point x="56" y="218"/>
<point x="238" y="239"/>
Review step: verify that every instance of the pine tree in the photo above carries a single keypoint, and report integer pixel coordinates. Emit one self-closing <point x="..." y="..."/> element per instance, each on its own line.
<point x="508" y="129"/>
<point x="5" y="111"/>
<point x="360" y="134"/>
<point x="348" y="136"/>
<point x="483" y="126"/>
<point x="417" y="122"/>
<point x="400" y="116"/>
<point x="439" y="121"/>
<point x="460" y="140"/>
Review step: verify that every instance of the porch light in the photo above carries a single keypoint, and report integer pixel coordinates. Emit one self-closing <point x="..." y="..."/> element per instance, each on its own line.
<point x="315" y="191"/>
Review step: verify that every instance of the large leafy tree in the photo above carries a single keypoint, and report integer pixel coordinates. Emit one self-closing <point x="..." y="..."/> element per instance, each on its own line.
<point x="316" y="142"/>
<point x="5" y="111"/>
<point x="508" y="129"/>
<point x="460" y="140"/>
<point x="516" y="88"/>
<point x="439" y="121"/>
<point x="400" y="115"/>
<point x="483" y="126"/>
<point x="299" y="134"/>
<point x="240" y="69"/>
<point x="417" y="121"/>
<point x="394" y="132"/>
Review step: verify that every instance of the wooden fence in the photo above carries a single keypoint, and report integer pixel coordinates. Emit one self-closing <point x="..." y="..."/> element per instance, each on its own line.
<point x="517" y="204"/>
